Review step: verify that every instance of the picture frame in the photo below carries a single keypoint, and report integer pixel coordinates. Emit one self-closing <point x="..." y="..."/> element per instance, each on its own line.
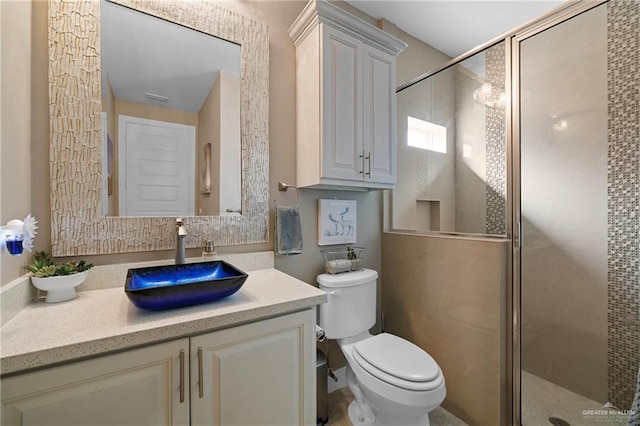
<point x="337" y="222"/>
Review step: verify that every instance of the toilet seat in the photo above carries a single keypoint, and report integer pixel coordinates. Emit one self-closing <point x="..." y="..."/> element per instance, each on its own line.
<point x="398" y="362"/>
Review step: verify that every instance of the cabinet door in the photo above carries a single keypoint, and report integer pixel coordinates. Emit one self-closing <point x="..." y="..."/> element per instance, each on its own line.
<point x="261" y="373"/>
<point x="341" y="146"/>
<point x="137" y="387"/>
<point x="379" y="116"/>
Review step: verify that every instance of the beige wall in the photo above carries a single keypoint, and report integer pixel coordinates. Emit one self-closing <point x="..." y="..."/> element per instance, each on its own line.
<point x="150" y="112"/>
<point x="109" y="107"/>
<point x="219" y="125"/>
<point x="209" y="132"/>
<point x="15" y="123"/>
<point x="417" y="59"/>
<point x="447" y="295"/>
<point x="230" y="158"/>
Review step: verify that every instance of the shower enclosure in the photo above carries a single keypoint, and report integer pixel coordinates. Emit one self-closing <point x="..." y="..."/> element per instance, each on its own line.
<point x="533" y="140"/>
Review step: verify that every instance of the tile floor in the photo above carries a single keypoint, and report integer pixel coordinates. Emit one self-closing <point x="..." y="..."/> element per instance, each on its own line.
<point x="340" y="399"/>
<point x="542" y="400"/>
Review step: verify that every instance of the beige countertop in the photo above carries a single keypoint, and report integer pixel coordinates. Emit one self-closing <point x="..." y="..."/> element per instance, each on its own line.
<point x="101" y="321"/>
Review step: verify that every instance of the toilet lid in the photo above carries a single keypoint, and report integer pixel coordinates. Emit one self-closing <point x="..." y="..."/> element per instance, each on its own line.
<point x="397" y="358"/>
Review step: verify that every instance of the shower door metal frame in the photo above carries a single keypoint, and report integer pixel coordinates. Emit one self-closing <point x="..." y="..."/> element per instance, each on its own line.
<point x="538" y="26"/>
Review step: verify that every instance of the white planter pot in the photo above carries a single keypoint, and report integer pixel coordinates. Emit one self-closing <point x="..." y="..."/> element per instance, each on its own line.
<point x="60" y="288"/>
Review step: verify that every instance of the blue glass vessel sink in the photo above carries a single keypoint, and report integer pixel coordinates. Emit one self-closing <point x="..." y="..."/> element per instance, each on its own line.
<point x="173" y="286"/>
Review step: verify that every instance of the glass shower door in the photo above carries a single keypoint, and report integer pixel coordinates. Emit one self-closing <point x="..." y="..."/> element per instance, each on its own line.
<point x="563" y="216"/>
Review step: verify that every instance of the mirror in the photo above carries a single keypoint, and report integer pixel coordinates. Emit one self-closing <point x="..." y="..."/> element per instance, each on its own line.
<point x="78" y="224"/>
<point x="452" y="147"/>
<point x="170" y="100"/>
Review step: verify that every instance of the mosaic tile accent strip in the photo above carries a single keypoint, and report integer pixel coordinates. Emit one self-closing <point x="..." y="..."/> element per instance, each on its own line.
<point x="496" y="144"/>
<point x="623" y="69"/>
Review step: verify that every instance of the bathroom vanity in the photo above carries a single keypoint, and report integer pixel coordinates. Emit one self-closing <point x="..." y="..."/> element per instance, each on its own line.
<point x="247" y="359"/>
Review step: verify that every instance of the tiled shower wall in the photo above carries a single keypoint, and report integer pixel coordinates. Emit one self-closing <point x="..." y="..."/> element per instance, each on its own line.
<point x="445" y="295"/>
<point x="496" y="185"/>
<point x="623" y="69"/>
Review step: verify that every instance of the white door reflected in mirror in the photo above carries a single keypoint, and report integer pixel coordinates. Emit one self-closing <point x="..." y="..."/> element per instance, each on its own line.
<point x="156" y="159"/>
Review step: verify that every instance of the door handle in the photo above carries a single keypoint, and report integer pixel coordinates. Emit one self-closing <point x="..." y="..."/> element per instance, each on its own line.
<point x="362" y="157"/>
<point x="200" y="374"/>
<point x="369" y="163"/>
<point x="181" y="375"/>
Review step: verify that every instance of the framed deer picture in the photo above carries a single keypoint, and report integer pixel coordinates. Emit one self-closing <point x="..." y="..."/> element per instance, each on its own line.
<point x="337" y="221"/>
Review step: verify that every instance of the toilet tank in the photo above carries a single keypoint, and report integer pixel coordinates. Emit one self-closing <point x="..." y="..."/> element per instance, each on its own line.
<point x="351" y="303"/>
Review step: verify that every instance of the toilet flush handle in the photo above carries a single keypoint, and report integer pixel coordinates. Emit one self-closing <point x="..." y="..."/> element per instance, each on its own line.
<point x="335" y="293"/>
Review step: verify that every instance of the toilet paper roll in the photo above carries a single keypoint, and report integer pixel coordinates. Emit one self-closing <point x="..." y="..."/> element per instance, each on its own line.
<point x="320" y="335"/>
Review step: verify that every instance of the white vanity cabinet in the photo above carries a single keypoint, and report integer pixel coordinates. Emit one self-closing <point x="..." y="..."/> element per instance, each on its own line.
<point x="136" y="387"/>
<point x="257" y="373"/>
<point x="346" y="103"/>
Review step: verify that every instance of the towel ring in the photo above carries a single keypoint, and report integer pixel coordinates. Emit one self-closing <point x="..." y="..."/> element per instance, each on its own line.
<point x="283" y="187"/>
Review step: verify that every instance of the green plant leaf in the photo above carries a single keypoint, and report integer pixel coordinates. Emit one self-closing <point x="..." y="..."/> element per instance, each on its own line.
<point x="43" y="266"/>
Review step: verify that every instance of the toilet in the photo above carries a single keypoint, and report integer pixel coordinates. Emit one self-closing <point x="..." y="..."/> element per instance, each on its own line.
<point x="393" y="381"/>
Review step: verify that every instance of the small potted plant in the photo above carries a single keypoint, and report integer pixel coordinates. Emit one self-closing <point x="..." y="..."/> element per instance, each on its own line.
<point x="58" y="280"/>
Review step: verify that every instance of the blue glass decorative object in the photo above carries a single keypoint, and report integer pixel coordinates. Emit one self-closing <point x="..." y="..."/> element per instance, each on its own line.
<point x="173" y="286"/>
<point x="14" y="244"/>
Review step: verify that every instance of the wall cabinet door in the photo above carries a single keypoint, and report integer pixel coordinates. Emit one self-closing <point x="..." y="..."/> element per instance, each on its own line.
<point x="379" y="119"/>
<point x="136" y="387"/>
<point x="342" y="149"/>
<point x="255" y="374"/>
<point x="358" y="110"/>
<point x="345" y="100"/>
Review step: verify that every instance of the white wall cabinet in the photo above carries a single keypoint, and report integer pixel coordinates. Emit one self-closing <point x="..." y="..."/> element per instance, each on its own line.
<point x="257" y="373"/>
<point x="346" y="104"/>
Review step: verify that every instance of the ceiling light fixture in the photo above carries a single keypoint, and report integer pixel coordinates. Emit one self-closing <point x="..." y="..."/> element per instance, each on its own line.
<point x="156" y="97"/>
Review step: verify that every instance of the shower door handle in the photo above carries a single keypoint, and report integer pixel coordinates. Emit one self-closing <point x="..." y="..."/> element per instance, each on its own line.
<point x="518" y="235"/>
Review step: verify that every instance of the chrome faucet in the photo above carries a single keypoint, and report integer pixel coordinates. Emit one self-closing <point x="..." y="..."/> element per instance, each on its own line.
<point x="181" y="235"/>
